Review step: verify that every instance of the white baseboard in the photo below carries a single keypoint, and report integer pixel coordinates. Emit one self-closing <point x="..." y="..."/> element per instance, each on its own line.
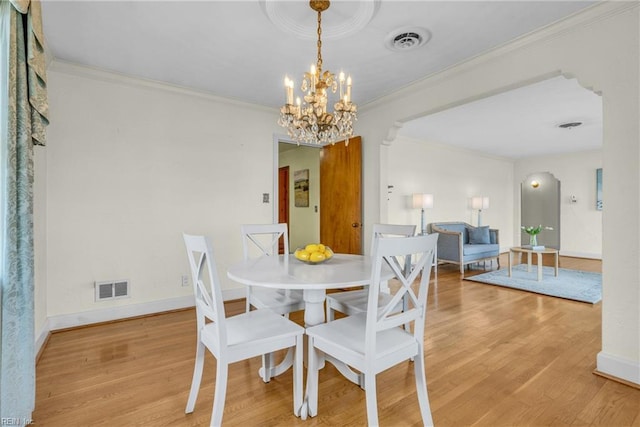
<point x="116" y="313"/>
<point x="628" y="370"/>
<point x="41" y="337"/>
<point x="71" y="320"/>
<point x="234" y="293"/>
<point x="572" y="254"/>
<point x="581" y="255"/>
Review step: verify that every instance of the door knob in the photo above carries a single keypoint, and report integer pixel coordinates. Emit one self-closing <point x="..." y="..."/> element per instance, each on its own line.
<point x="355" y="225"/>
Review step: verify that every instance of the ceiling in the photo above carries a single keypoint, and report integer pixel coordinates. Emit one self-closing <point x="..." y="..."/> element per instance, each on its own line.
<point x="243" y="49"/>
<point x="521" y="123"/>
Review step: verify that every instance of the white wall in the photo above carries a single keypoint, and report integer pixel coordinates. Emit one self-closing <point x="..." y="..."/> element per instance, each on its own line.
<point x="453" y="176"/>
<point x="601" y="48"/>
<point x="304" y="222"/>
<point x="131" y="166"/>
<point x="581" y="223"/>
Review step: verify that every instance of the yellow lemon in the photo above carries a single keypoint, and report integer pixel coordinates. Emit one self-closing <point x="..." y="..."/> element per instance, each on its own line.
<point x="311" y="248"/>
<point x="302" y="255"/>
<point x="321" y="247"/>
<point x="317" y="257"/>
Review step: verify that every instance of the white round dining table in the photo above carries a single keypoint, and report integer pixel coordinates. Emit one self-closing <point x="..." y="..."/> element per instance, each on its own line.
<point x="287" y="272"/>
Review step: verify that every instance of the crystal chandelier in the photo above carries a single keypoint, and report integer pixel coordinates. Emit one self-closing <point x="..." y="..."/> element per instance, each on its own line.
<point x="308" y="120"/>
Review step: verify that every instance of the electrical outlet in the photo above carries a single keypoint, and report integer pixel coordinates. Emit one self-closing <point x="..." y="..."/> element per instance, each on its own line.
<point x="185" y="280"/>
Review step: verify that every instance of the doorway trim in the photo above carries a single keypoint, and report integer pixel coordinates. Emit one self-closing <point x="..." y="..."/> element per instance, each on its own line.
<point x="276" y="140"/>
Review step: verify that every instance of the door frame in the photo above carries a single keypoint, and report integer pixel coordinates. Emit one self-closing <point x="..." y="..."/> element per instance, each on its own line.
<point x="280" y="138"/>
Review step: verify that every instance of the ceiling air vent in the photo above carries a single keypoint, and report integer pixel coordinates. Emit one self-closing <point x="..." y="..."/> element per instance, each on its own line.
<point x="405" y="39"/>
<point x="113" y="289"/>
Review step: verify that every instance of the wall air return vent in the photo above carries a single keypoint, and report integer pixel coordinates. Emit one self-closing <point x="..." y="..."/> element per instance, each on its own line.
<point x="113" y="289"/>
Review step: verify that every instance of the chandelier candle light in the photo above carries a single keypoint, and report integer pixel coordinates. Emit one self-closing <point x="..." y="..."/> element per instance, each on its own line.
<point x="307" y="120"/>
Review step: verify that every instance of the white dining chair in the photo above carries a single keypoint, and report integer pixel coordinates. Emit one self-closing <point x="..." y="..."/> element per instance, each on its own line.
<point x="235" y="338"/>
<point x="353" y="302"/>
<point x="374" y="341"/>
<point x="259" y="240"/>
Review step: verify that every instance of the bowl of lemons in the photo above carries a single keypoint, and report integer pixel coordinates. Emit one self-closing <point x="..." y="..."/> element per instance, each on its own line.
<point x="314" y="253"/>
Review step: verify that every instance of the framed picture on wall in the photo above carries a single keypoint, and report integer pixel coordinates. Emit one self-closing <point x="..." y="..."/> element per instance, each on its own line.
<point x="599" y="189"/>
<point x="301" y="188"/>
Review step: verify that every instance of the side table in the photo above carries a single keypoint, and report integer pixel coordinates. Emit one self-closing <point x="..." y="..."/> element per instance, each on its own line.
<point x="539" y="253"/>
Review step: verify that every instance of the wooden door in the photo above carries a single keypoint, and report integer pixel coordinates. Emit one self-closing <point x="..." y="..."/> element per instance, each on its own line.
<point x="283" y="201"/>
<point x="341" y="196"/>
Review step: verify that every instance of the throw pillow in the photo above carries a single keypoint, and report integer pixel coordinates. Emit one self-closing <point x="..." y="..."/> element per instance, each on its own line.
<point x="479" y="235"/>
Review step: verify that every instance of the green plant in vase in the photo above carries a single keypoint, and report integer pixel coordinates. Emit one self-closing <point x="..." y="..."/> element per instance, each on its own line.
<point x="533" y="233"/>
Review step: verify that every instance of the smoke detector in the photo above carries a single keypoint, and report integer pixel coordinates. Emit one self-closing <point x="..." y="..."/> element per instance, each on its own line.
<point x="406" y="39"/>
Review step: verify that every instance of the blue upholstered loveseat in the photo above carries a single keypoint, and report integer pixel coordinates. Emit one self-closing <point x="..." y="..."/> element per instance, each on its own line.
<point x="462" y="244"/>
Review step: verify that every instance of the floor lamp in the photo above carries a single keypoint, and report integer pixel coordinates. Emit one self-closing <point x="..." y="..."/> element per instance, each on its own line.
<point x="422" y="201"/>
<point x="479" y="203"/>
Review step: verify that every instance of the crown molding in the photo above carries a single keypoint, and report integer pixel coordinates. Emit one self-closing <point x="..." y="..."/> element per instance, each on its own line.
<point x="93" y="73"/>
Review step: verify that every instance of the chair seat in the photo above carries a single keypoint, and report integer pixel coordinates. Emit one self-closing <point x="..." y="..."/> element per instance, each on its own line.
<point x="348" y="334"/>
<point x="491" y="249"/>
<point x="253" y="329"/>
<point x="277" y="300"/>
<point x="354" y="302"/>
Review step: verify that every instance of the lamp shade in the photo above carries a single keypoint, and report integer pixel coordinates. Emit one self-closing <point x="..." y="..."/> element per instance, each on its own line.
<point x="422" y="201"/>
<point x="479" y="202"/>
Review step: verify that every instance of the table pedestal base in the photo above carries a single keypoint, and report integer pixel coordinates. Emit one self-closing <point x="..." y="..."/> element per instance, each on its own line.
<point x="278" y="369"/>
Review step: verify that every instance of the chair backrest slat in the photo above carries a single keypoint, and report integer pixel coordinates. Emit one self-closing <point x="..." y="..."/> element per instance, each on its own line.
<point x="265" y="238"/>
<point x="418" y="251"/>
<point x="206" y="284"/>
<point x="390" y="230"/>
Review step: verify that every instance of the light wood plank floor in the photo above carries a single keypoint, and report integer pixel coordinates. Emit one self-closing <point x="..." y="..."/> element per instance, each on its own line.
<point x="494" y="357"/>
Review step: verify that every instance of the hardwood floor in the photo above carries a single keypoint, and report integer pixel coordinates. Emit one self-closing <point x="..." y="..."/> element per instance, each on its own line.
<point x="494" y="357"/>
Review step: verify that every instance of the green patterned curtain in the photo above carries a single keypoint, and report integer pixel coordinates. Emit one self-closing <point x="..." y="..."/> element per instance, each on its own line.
<point x="23" y="118"/>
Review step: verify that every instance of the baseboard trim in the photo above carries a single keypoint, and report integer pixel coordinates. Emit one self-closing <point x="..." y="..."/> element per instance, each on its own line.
<point x="234" y="293"/>
<point x="581" y="255"/>
<point x="42" y="339"/>
<point x="570" y="254"/>
<point x="72" y="320"/>
<point x="616" y="379"/>
<point x="619" y="369"/>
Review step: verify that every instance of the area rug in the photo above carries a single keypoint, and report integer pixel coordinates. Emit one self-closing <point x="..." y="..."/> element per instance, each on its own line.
<point x="583" y="286"/>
